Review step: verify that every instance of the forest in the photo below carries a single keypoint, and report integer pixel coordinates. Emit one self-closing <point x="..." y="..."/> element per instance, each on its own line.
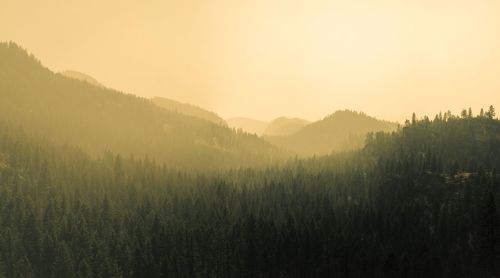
<point x="98" y="183"/>
<point x="407" y="205"/>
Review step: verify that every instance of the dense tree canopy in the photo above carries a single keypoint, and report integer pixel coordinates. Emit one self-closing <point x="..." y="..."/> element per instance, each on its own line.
<point x="421" y="201"/>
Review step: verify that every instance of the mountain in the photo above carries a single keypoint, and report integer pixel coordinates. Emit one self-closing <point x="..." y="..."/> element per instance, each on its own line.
<point x="248" y="125"/>
<point x="82" y="77"/>
<point x="342" y="130"/>
<point x="188" y="109"/>
<point x="284" y="126"/>
<point x="420" y="200"/>
<point x="97" y="119"/>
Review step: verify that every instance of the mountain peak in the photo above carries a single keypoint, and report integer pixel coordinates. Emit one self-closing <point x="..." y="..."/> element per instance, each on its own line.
<point x="339" y="131"/>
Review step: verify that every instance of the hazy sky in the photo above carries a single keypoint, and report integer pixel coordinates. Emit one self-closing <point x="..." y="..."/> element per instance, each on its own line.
<point x="265" y="58"/>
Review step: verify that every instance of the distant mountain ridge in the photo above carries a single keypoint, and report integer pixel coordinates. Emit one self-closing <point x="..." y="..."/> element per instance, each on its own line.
<point x="82" y="77"/>
<point x="248" y="125"/>
<point x="278" y="127"/>
<point x="188" y="109"/>
<point x="96" y="119"/>
<point x="283" y="126"/>
<point x="342" y="130"/>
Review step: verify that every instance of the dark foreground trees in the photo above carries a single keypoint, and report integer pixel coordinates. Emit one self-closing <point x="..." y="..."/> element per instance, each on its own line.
<point x="419" y="202"/>
<point x="489" y="235"/>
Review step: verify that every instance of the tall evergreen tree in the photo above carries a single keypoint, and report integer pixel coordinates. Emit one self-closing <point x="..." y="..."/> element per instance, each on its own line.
<point x="490" y="238"/>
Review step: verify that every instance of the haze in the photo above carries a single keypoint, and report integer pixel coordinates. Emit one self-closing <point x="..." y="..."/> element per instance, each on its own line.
<point x="265" y="59"/>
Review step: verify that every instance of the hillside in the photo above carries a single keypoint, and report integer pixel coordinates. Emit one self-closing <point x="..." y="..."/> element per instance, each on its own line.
<point x="68" y="111"/>
<point x="283" y="126"/>
<point x="421" y="200"/>
<point x="446" y="144"/>
<point x="82" y="77"/>
<point x="342" y="130"/>
<point x="188" y="109"/>
<point x="247" y="125"/>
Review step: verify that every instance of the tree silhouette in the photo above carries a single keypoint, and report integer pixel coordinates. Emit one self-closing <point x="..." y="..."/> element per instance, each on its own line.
<point x="490" y="114"/>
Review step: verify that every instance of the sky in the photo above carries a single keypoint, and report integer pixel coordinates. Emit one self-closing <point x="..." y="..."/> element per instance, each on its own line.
<point x="264" y="59"/>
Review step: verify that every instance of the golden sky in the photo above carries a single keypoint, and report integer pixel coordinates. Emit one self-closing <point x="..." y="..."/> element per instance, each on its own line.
<point x="265" y="58"/>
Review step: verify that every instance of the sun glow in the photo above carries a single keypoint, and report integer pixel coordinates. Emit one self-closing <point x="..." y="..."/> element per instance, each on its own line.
<point x="239" y="57"/>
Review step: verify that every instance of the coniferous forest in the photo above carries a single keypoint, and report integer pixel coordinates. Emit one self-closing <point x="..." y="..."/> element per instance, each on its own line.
<point x="420" y="201"/>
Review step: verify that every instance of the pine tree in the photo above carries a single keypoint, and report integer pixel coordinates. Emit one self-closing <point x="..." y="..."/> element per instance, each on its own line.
<point x="490" y="114"/>
<point x="22" y="268"/>
<point x="63" y="262"/>
<point x="489" y="234"/>
<point x="464" y="114"/>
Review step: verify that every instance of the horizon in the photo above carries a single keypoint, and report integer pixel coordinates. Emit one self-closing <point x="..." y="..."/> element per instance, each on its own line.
<point x="265" y="60"/>
<point x="475" y="113"/>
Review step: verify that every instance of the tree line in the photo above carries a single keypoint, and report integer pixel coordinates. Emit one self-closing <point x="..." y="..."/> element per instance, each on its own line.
<point x="421" y="201"/>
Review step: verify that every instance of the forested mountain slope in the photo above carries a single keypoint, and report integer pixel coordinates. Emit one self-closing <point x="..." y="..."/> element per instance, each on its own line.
<point x="248" y="125"/>
<point x="446" y="144"/>
<point x="97" y="119"/>
<point x="82" y="77"/>
<point x="407" y="205"/>
<point x="340" y="131"/>
<point x="188" y="109"/>
<point x="283" y="126"/>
